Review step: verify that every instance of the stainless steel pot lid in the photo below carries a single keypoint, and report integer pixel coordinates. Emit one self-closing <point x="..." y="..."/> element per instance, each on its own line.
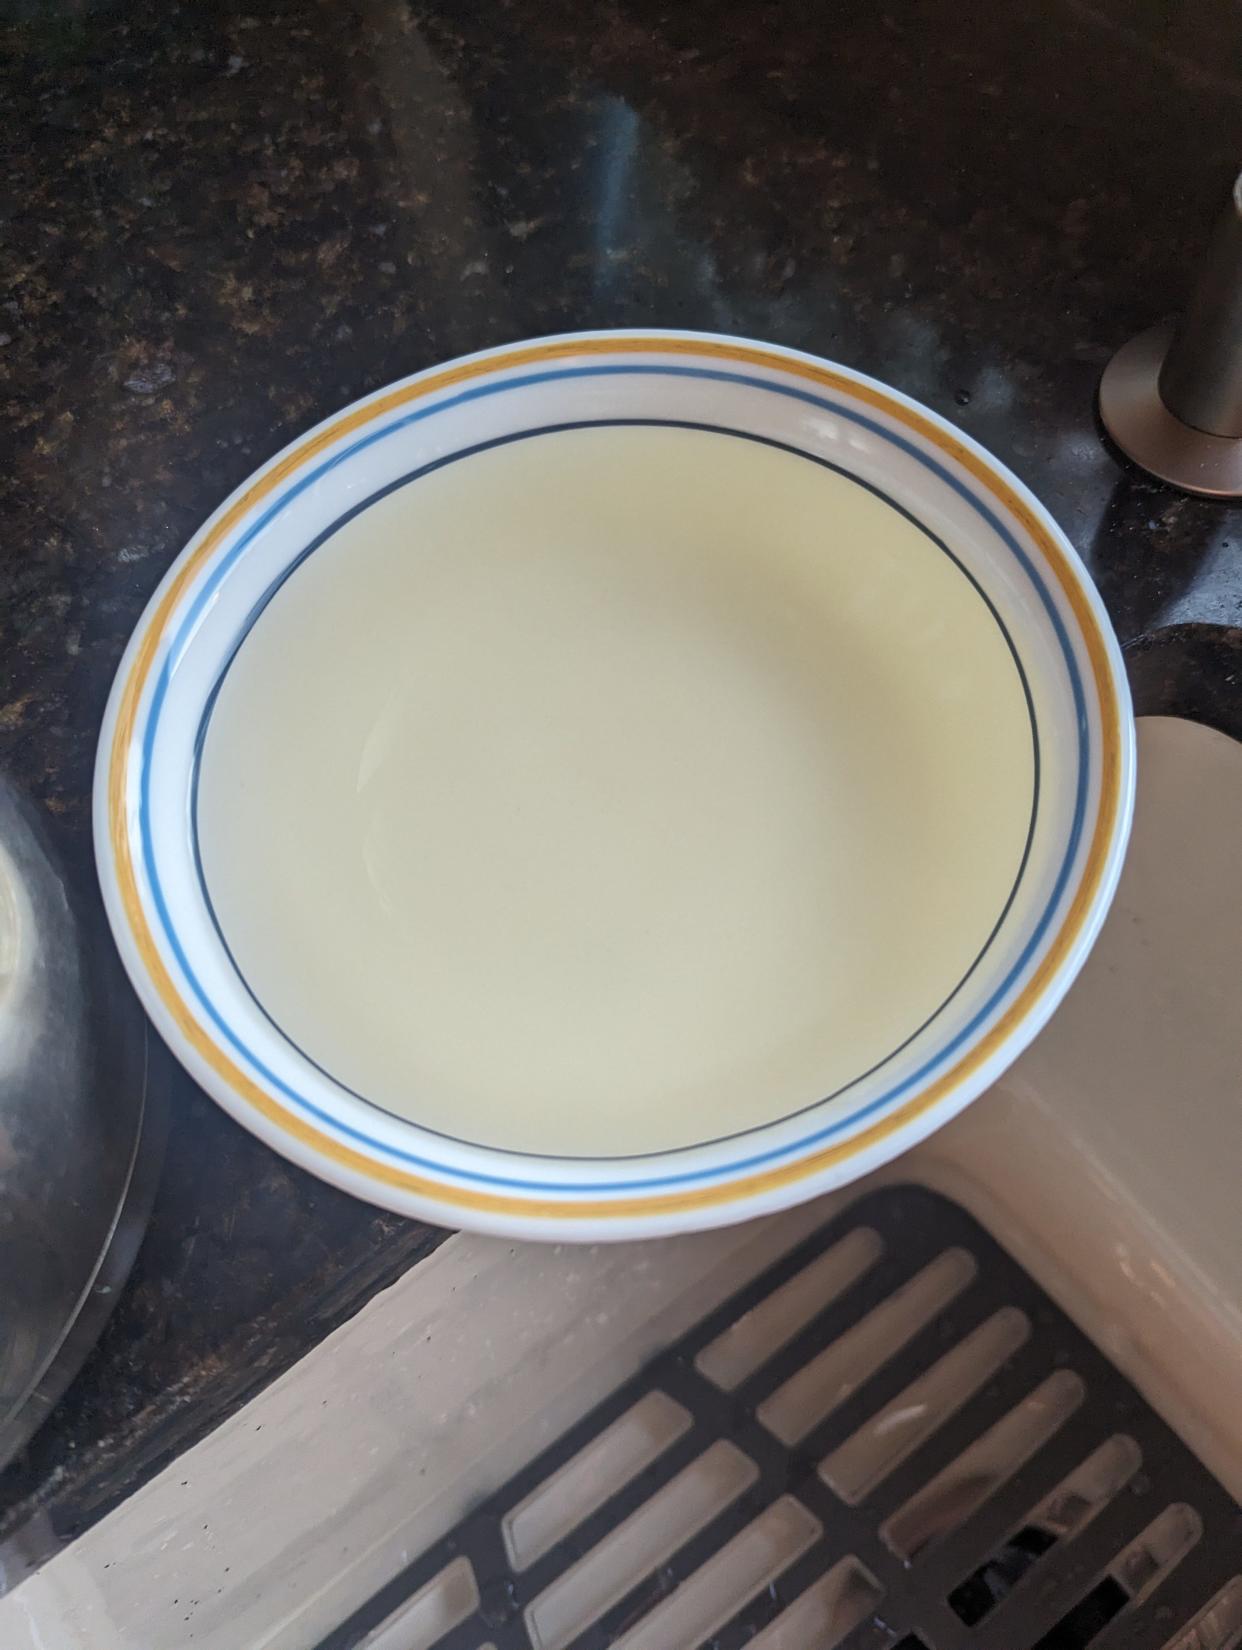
<point x="79" y="1147"/>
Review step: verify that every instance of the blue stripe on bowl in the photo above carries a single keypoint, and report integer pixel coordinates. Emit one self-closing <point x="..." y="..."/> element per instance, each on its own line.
<point x="721" y="1172"/>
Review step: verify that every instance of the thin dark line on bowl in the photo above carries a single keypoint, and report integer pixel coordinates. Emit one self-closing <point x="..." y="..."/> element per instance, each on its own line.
<point x="329" y="532"/>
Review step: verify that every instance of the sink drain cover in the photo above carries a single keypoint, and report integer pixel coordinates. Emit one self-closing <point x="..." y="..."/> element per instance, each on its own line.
<point x="892" y="1440"/>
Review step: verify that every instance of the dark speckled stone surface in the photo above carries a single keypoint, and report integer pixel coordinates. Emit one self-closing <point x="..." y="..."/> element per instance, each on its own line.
<point x="222" y="223"/>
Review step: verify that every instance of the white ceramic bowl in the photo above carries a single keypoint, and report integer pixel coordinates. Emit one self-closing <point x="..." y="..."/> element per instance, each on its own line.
<point x="849" y="615"/>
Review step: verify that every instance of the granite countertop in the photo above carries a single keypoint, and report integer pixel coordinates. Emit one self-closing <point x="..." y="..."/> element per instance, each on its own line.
<point x="221" y="224"/>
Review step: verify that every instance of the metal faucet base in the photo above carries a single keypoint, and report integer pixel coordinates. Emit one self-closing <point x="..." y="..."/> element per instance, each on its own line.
<point x="1137" y="419"/>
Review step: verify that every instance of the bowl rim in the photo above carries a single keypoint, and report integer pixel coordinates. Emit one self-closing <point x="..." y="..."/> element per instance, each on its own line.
<point x="731" y="1192"/>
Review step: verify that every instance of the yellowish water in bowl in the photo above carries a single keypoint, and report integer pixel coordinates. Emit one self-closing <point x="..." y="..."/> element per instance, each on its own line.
<point x="613" y="790"/>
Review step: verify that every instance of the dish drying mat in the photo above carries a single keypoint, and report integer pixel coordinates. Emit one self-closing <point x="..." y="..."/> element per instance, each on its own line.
<point x="891" y="1440"/>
